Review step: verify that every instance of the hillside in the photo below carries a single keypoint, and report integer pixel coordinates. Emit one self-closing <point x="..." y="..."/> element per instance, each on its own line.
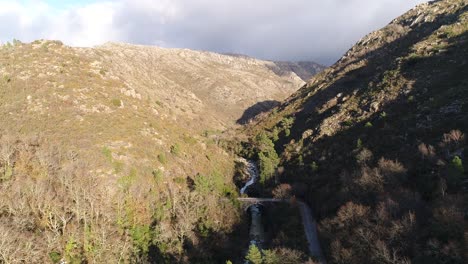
<point x="303" y="69"/>
<point x="376" y="143"/>
<point x="111" y="153"/>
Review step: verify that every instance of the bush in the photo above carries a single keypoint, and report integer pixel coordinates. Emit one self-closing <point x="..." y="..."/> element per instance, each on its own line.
<point x="413" y="58"/>
<point x="287" y="123"/>
<point x="6" y="78"/>
<point x="116" y="102"/>
<point x="282" y="191"/>
<point x="142" y="238"/>
<point x="175" y="149"/>
<point x="458" y="165"/>
<point x="158" y="176"/>
<point x="455" y="173"/>
<point x="364" y="156"/>
<point x="314" y="166"/>
<point x="55" y="256"/>
<point x="162" y="158"/>
<point x="347" y="123"/>
<point x="359" y="143"/>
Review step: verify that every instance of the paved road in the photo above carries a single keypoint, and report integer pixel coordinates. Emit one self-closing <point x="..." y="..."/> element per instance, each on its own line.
<point x="308" y="221"/>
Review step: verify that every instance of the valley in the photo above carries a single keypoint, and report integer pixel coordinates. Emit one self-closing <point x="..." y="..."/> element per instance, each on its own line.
<point x="123" y="153"/>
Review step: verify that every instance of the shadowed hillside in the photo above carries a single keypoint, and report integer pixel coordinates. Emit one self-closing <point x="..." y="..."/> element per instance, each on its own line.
<point x="377" y="142"/>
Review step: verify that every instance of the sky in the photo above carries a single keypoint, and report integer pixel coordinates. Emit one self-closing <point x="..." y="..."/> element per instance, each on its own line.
<point x="290" y="30"/>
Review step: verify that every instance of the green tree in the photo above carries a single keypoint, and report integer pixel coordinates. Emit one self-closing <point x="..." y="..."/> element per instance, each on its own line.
<point x="254" y="256"/>
<point x="267" y="157"/>
<point x="263" y="143"/>
<point x="287" y="123"/>
<point x="455" y="173"/>
<point x="270" y="257"/>
<point x="457" y="164"/>
<point x="275" y="134"/>
<point x="268" y="161"/>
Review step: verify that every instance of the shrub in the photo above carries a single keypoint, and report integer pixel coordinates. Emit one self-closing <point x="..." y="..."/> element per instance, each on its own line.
<point x="282" y="191"/>
<point x="175" y="149"/>
<point x="314" y="166"/>
<point x="427" y="151"/>
<point x="287" y="122"/>
<point x="116" y="102"/>
<point x="351" y="212"/>
<point x="368" y="125"/>
<point x="55" y="256"/>
<point x="162" y="158"/>
<point x="6" y="78"/>
<point x="6" y="173"/>
<point x="348" y="123"/>
<point x="158" y="176"/>
<point x="107" y="153"/>
<point x="142" y="238"/>
<point x="370" y="179"/>
<point x="364" y="156"/>
<point x="179" y="180"/>
<point x="412" y="59"/>
<point x="393" y="172"/>
<point x="359" y="143"/>
<point x="455" y="173"/>
<point x="452" y="140"/>
<point x="457" y="165"/>
<point x="275" y="134"/>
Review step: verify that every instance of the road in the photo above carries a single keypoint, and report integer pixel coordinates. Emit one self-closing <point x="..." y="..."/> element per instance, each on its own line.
<point x="308" y="221"/>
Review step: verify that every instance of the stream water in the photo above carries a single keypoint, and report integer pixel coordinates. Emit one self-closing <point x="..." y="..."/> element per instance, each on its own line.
<point x="253" y="172"/>
<point x="256" y="232"/>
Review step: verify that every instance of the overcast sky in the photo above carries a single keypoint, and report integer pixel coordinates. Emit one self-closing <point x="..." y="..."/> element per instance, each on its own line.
<point x="319" y="30"/>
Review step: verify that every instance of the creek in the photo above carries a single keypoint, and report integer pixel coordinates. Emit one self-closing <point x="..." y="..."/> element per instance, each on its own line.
<point x="256" y="232"/>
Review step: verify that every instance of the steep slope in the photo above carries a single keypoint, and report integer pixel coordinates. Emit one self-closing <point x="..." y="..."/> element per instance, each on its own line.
<point x="376" y="143"/>
<point x="303" y="69"/>
<point x="110" y="154"/>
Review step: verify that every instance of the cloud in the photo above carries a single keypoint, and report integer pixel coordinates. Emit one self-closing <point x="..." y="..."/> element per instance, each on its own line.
<point x="270" y="29"/>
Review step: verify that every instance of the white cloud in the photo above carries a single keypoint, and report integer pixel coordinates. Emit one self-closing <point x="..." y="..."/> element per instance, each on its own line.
<point x="272" y="29"/>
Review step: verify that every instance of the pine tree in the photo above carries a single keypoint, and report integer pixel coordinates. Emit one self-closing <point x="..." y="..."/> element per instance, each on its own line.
<point x="254" y="256"/>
